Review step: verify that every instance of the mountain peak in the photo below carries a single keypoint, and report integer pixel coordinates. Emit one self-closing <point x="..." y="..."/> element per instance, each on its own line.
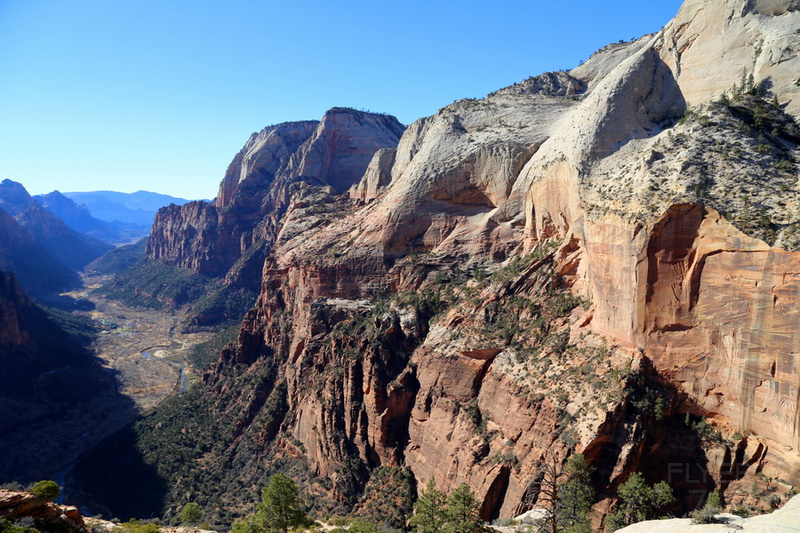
<point x="711" y="46"/>
<point x="14" y="198"/>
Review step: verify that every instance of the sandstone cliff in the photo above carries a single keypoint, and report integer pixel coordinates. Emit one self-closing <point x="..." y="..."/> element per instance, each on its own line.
<point x="16" y="506"/>
<point x="631" y="185"/>
<point x="231" y="237"/>
<point x="587" y="261"/>
<point x="255" y="191"/>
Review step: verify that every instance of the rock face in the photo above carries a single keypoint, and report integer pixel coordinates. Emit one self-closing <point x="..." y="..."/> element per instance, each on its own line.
<point x="763" y="42"/>
<point x="18" y="505"/>
<point x="232" y="237"/>
<point x="634" y="200"/>
<point x="580" y="262"/>
<point x="334" y="152"/>
<point x="12" y="301"/>
<point x="784" y="520"/>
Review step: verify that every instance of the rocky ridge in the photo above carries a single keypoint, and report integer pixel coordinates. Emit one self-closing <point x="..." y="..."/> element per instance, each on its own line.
<point x="49" y="516"/>
<point x="783" y="520"/>
<point x="588" y="261"/>
<point x="230" y="238"/>
<point x="255" y="191"/>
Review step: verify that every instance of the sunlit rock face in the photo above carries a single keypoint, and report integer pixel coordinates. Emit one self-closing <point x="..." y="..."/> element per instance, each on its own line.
<point x="255" y="192"/>
<point x="674" y="225"/>
<point x="648" y="213"/>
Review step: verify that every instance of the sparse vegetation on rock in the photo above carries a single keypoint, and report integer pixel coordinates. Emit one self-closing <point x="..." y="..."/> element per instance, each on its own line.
<point x="639" y="501"/>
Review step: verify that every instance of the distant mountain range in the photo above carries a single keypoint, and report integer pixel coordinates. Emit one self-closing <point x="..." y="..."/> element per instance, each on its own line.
<point x="136" y="208"/>
<point x="46" y="238"/>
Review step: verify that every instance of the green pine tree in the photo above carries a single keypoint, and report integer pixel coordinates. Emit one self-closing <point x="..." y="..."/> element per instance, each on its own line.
<point x="191" y="514"/>
<point x="46" y="490"/>
<point x="463" y="511"/>
<point x="281" y="508"/>
<point x="639" y="501"/>
<point x="429" y="510"/>
<point x="576" y="495"/>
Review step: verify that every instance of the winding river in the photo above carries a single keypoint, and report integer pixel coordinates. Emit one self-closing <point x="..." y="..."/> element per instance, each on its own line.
<point x="183" y="378"/>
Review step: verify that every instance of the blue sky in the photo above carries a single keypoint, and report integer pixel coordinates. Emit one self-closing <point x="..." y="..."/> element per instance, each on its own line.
<point x="160" y="95"/>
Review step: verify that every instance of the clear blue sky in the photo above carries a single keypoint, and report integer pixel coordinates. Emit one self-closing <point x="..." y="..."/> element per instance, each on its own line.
<point x="160" y="94"/>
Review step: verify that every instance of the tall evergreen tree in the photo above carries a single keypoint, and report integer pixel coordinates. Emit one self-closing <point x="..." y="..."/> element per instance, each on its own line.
<point x="429" y="510"/>
<point x="280" y="508"/>
<point x="463" y="511"/>
<point x="576" y="495"/>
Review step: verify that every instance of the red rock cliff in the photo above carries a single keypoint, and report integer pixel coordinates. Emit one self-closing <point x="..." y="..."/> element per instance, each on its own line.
<point x="255" y="191"/>
<point x="575" y="263"/>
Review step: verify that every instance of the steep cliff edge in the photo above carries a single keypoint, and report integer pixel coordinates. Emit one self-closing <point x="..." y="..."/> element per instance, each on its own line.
<point x="255" y="191"/>
<point x="231" y="238"/>
<point x="19" y="506"/>
<point x="587" y="261"/>
<point x="630" y="179"/>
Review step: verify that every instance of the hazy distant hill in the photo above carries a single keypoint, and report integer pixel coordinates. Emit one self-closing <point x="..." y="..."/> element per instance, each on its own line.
<point x="38" y="245"/>
<point x="78" y="218"/>
<point x="135" y="208"/>
<point x="39" y="272"/>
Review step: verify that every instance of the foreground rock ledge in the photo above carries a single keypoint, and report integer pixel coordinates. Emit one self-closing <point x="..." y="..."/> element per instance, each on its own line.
<point x="785" y="519"/>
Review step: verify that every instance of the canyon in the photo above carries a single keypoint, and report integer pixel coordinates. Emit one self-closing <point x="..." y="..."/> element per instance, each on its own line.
<point x="600" y="261"/>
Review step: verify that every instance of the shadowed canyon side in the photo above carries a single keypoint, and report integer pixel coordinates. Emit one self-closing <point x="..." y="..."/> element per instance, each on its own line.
<point x="38" y="246"/>
<point x="586" y="261"/>
<point x="53" y="390"/>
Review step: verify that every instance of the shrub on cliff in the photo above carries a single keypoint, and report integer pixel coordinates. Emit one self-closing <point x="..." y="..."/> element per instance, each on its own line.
<point x="638" y="502"/>
<point x="191" y="514"/>
<point x="708" y="514"/>
<point x="135" y="526"/>
<point x="388" y="497"/>
<point x="46" y="490"/>
<point x="7" y="526"/>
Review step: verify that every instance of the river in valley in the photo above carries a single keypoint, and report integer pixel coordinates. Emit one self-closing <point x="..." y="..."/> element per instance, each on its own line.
<point x="143" y="350"/>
